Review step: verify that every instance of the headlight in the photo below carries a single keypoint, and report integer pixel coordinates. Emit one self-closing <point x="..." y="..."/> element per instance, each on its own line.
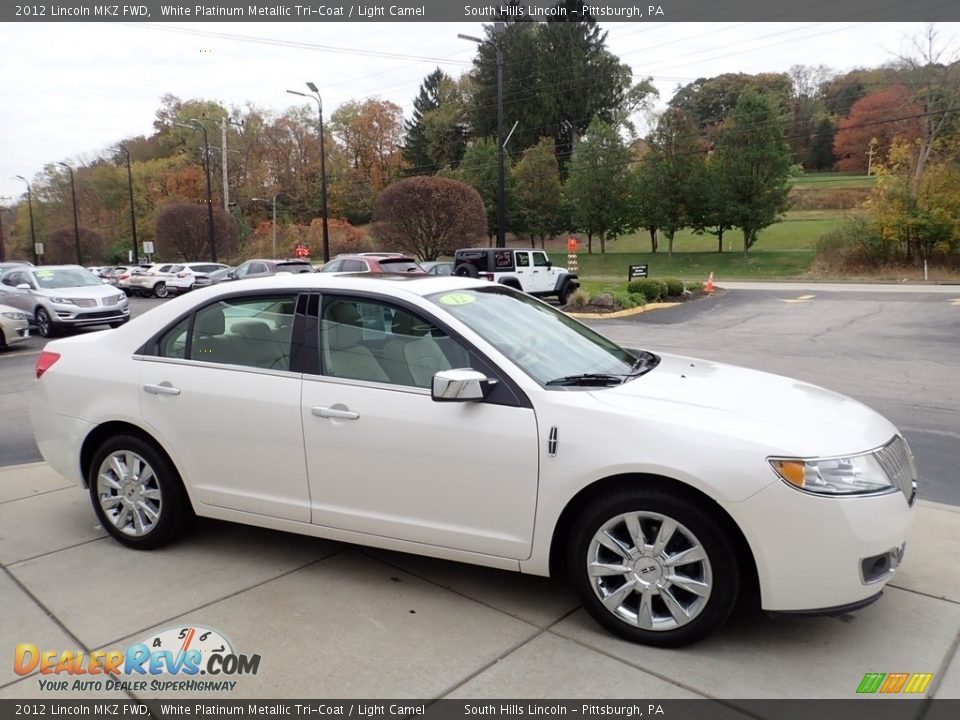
<point x="14" y="315"/>
<point x="62" y="301"/>
<point x="853" y="475"/>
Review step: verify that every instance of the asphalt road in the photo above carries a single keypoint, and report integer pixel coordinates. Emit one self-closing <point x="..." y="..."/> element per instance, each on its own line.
<point x="895" y="350"/>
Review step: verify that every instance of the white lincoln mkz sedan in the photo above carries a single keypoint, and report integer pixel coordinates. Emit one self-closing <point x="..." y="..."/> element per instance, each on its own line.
<point x="460" y="419"/>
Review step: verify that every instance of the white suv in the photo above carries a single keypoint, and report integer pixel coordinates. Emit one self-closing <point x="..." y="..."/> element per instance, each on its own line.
<point x="152" y="281"/>
<point x="183" y="277"/>
<point x="526" y="269"/>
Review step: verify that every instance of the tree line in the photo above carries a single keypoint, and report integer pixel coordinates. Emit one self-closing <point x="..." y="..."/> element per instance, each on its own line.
<point x="716" y="159"/>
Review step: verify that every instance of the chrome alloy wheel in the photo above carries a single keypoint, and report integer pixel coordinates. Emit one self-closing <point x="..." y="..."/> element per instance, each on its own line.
<point x="129" y="493"/>
<point x="649" y="571"/>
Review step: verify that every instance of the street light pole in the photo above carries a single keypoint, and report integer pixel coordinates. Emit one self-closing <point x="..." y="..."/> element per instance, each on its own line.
<point x="323" y="168"/>
<point x="33" y="234"/>
<point x="3" y="255"/>
<point x="497" y="44"/>
<point x="274" y="201"/>
<point x="135" y="254"/>
<point x="197" y="125"/>
<point x="76" y="217"/>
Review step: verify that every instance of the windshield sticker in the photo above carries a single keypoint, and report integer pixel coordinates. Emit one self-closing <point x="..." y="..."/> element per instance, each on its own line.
<point x="458" y="299"/>
<point x="44" y="273"/>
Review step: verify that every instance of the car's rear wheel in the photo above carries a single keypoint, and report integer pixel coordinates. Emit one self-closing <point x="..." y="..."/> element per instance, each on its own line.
<point x="137" y="494"/>
<point x="45" y="324"/>
<point x="653" y="566"/>
<point x="160" y="290"/>
<point x="566" y="290"/>
<point x="466" y="270"/>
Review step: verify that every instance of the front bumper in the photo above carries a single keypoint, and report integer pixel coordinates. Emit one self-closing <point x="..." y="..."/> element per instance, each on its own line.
<point x="76" y="317"/>
<point x="810" y="550"/>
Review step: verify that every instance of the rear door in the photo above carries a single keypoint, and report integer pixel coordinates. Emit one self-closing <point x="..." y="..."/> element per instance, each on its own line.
<point x="524" y="271"/>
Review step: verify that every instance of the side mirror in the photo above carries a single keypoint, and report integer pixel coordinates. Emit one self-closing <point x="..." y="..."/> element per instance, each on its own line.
<point x="232" y="275"/>
<point x="549" y="264"/>
<point x="24" y="286"/>
<point x="462" y="385"/>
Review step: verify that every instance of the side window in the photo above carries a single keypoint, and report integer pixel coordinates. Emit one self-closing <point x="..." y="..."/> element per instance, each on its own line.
<point x="250" y="331"/>
<point x="11" y="279"/>
<point x="379" y="342"/>
<point x="540" y="259"/>
<point x="523" y="259"/>
<point x="332" y="266"/>
<point x="353" y="266"/>
<point x="256" y="268"/>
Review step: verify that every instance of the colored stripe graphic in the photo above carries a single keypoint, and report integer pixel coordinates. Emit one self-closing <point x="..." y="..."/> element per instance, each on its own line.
<point x="892" y="683"/>
<point x="871" y="682"/>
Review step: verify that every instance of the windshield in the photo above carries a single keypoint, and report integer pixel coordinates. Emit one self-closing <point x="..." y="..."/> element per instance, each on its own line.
<point x="66" y="278"/>
<point x="543" y="342"/>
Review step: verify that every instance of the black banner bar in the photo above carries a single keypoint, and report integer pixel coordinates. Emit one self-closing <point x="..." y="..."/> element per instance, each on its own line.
<point x="321" y="11"/>
<point x="873" y="708"/>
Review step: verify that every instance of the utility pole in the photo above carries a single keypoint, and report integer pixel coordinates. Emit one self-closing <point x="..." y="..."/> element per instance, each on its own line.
<point x="134" y="250"/>
<point x="33" y="233"/>
<point x="223" y="149"/>
<point x="76" y="217"/>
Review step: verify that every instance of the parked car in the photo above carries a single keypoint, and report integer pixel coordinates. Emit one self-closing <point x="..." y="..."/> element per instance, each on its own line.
<point x="212" y="278"/>
<point x="437" y="267"/>
<point x="182" y="278"/>
<point x="153" y="280"/>
<point x="665" y="487"/>
<point x="526" y="269"/>
<point x="14" y="326"/>
<point x="265" y="268"/>
<point x="10" y="264"/>
<point x="372" y="262"/>
<point x="57" y="297"/>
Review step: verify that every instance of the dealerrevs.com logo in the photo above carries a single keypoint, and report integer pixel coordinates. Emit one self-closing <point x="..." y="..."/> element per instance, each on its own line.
<point x="170" y="660"/>
<point x="891" y="683"/>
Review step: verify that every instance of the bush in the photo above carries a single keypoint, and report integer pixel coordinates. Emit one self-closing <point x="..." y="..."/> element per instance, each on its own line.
<point x="674" y="287"/>
<point x="627" y="300"/>
<point x="695" y="287"/>
<point x="854" y="245"/>
<point x="579" y="298"/>
<point x="652" y="290"/>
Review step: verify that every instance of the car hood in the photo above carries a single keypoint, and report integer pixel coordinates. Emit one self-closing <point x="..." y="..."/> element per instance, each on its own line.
<point x="789" y="416"/>
<point x="87" y="291"/>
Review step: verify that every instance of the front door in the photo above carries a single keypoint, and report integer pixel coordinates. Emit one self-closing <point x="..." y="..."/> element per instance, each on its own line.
<point x="544" y="274"/>
<point x="384" y="459"/>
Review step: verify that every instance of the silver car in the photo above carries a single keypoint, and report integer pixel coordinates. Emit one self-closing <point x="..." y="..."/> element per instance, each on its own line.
<point x="14" y="326"/>
<point x="57" y="297"/>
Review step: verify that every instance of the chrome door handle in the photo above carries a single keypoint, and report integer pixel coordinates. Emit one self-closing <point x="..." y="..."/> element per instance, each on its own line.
<point x="334" y="413"/>
<point x="161" y="389"/>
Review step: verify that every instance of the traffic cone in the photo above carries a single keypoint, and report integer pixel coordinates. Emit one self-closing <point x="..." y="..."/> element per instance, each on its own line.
<point x="709" y="286"/>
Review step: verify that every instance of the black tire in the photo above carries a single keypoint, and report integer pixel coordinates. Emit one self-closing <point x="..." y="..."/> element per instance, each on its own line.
<point x="160" y="290"/>
<point x="566" y="290"/>
<point x="45" y="325"/>
<point x="466" y="270"/>
<point x="718" y="575"/>
<point x="173" y="511"/>
<point x="512" y="283"/>
<point x="3" y="340"/>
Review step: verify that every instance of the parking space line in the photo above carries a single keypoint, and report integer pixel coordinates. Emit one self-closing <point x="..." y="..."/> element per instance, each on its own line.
<point x="19" y="353"/>
<point x="801" y="299"/>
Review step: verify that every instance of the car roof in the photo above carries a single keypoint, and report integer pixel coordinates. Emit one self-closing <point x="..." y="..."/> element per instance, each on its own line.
<point x="388" y="283"/>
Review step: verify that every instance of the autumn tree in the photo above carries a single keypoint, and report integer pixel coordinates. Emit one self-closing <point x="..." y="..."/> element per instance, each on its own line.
<point x="371" y="134"/>
<point x="874" y="121"/>
<point x="710" y="101"/>
<point x="429" y="216"/>
<point x="61" y="246"/>
<point x="753" y="160"/>
<point x="538" y="193"/>
<point x="598" y="186"/>
<point x="182" y="231"/>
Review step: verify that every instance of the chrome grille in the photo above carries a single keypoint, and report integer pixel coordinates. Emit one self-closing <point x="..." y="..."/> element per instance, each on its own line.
<point x="84" y="302"/>
<point x="897" y="461"/>
<point x="112" y="300"/>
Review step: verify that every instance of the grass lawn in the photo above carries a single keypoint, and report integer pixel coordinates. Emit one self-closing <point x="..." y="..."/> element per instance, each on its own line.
<point x="833" y="180"/>
<point x="692" y="266"/>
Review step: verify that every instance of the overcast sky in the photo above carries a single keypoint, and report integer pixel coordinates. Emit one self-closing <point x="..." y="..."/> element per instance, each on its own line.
<point x="69" y="90"/>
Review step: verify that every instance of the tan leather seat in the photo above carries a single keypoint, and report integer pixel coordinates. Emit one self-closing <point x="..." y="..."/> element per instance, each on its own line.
<point x="412" y="357"/>
<point x="343" y="352"/>
<point x="259" y="346"/>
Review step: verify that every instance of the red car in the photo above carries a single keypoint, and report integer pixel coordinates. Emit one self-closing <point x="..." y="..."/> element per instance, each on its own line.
<point x="373" y="262"/>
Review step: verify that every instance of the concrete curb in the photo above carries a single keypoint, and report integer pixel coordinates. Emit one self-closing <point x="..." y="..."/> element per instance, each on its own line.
<point x="623" y="313"/>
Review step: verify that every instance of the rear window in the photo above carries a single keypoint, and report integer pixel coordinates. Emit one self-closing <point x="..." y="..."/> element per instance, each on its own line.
<point x="400" y="265"/>
<point x="294" y="267"/>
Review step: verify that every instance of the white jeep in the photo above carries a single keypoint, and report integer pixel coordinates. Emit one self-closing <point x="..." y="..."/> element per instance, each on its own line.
<point x="526" y="269"/>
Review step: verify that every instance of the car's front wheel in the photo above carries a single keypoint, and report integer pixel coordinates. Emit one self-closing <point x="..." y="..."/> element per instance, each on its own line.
<point x="45" y="324"/>
<point x="137" y="494"/>
<point x="653" y="566"/>
<point x="160" y="290"/>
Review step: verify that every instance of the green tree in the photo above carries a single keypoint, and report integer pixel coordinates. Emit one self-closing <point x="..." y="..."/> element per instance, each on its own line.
<point x="709" y="101"/>
<point x="558" y="76"/>
<point x="821" y="155"/>
<point x="598" y="185"/>
<point x="675" y="164"/>
<point x="538" y="193"/>
<point x="479" y="170"/>
<point x="711" y="210"/>
<point x="753" y="160"/>
<point x="436" y="133"/>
